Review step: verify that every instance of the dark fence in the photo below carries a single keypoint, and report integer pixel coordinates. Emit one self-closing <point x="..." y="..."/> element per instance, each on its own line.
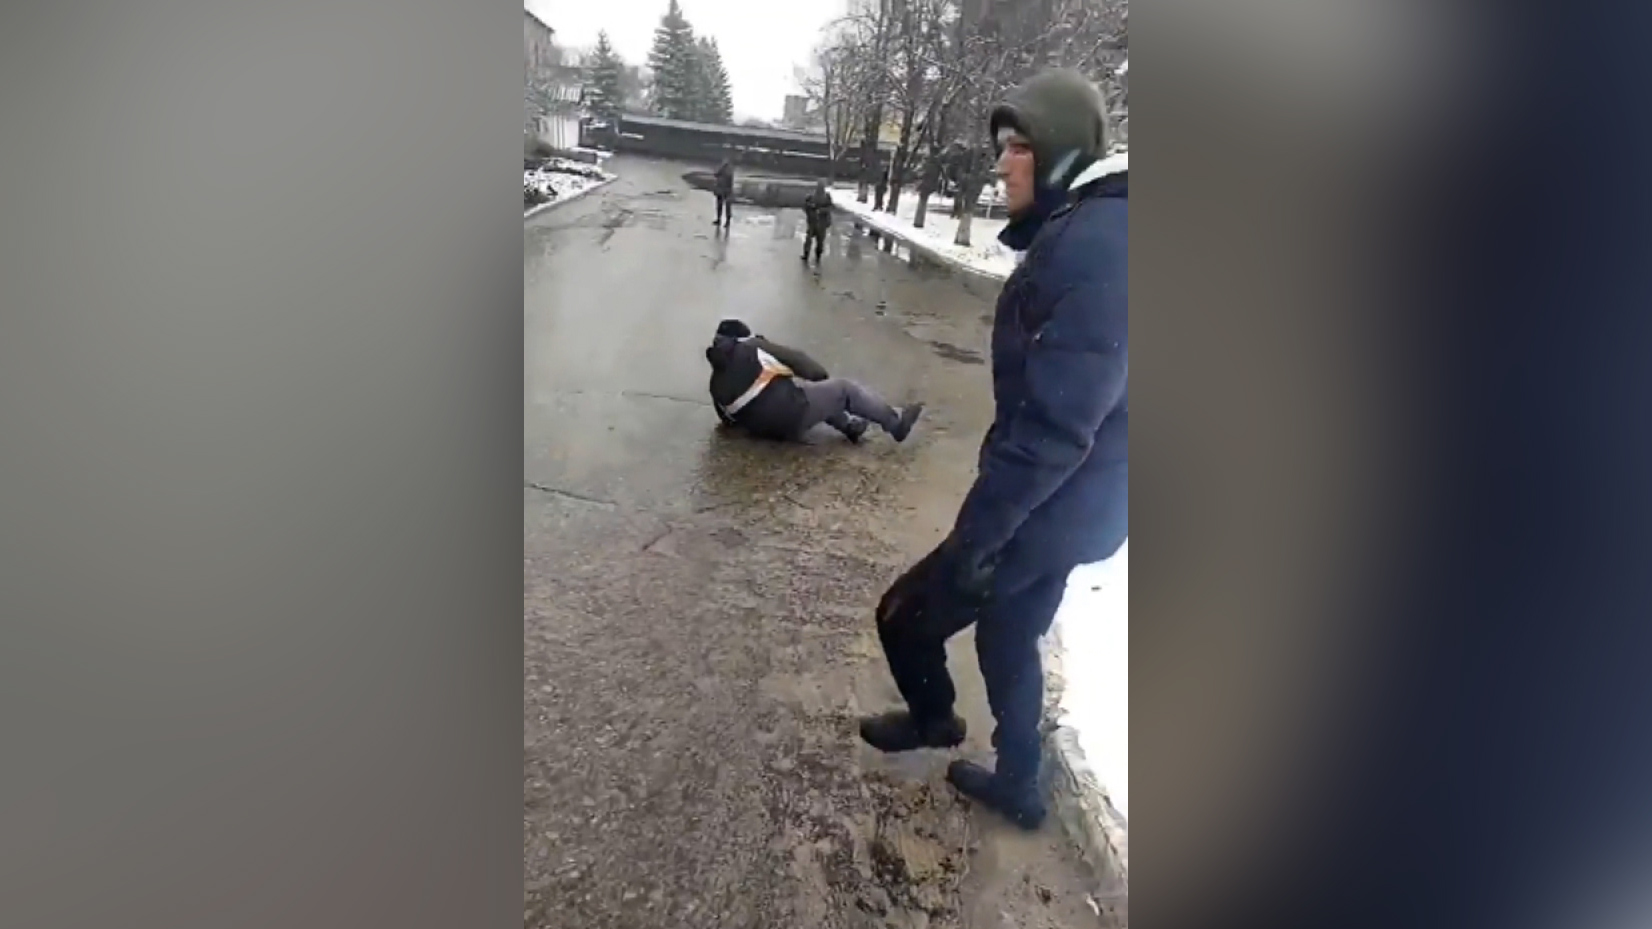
<point x="795" y="153"/>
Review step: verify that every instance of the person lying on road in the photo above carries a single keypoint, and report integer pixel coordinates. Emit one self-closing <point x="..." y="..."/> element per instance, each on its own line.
<point x="776" y="392"/>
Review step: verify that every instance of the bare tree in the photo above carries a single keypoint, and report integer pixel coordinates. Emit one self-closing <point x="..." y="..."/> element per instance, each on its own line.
<point x="916" y="80"/>
<point x="829" y="86"/>
<point x="870" y="23"/>
<point x="949" y="84"/>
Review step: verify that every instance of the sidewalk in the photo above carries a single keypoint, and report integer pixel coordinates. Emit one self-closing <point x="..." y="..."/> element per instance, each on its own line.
<point x="984" y="257"/>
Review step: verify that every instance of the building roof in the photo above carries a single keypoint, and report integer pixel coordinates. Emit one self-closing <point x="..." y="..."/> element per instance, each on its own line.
<point x="785" y="135"/>
<point x="533" y="16"/>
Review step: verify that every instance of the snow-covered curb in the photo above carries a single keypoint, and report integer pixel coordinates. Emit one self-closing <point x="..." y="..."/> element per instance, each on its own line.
<point x="1086" y="706"/>
<point x="972" y="260"/>
<point x="535" y="211"/>
<point x="989" y="260"/>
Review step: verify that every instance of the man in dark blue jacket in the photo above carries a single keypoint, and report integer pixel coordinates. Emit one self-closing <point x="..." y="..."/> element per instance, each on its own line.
<point x="1052" y="488"/>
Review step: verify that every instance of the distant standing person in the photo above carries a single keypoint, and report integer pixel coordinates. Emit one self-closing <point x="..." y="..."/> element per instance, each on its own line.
<point x="817" y="216"/>
<point x="776" y="392"/>
<point x="1052" y="488"/>
<point x="725" y="194"/>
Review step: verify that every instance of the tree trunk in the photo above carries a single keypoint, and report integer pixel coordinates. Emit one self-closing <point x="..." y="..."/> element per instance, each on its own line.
<point x="903" y="151"/>
<point x="974" y="181"/>
<point x="869" y="152"/>
<point x="929" y="144"/>
<point x="897" y="167"/>
<point x="926" y="186"/>
<point x="965" y="220"/>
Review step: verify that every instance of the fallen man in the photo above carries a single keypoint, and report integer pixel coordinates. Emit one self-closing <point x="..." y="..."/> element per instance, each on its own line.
<point x="776" y="392"/>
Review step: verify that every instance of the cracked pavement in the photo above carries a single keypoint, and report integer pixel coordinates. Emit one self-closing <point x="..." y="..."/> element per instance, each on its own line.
<point x="698" y="606"/>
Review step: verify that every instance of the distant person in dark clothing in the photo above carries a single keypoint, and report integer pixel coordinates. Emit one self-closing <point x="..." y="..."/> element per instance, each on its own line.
<point x="1052" y="489"/>
<point x="776" y="392"/>
<point x="817" y="217"/>
<point x="725" y="194"/>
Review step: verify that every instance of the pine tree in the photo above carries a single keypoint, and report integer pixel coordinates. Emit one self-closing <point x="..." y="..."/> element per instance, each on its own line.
<point x="674" y="61"/>
<point x="604" y="91"/>
<point x="699" y="87"/>
<point x="716" y="102"/>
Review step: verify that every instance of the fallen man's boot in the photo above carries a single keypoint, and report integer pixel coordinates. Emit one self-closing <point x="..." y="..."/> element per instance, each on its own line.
<point x="856" y="430"/>
<point x="909" y="416"/>
<point x="1016" y="799"/>
<point x="899" y="731"/>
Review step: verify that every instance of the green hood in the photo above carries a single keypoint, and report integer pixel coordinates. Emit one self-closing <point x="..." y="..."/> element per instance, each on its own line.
<point x="1064" y="115"/>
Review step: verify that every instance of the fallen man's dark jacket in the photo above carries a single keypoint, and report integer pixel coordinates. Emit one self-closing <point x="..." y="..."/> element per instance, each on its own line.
<point x="753" y="386"/>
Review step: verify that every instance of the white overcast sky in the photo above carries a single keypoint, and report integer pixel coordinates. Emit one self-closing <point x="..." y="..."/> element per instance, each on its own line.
<point x="761" y="40"/>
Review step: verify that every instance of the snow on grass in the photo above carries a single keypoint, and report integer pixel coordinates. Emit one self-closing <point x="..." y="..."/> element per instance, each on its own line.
<point x="1092" y="630"/>
<point x="557" y="179"/>
<point x="984" y="254"/>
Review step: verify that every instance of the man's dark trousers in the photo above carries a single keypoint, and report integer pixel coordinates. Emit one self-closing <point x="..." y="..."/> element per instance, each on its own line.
<point x="1007" y="630"/>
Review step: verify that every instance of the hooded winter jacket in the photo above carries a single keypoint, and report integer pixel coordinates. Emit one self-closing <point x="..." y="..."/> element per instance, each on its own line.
<point x="1053" y="484"/>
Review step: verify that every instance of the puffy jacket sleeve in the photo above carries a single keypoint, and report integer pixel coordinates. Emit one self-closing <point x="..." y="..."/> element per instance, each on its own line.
<point x="1075" y="375"/>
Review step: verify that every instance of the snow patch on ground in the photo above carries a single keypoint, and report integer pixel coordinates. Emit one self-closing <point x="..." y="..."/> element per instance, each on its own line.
<point x="558" y="179"/>
<point x="984" y="255"/>
<point x="1092" y="632"/>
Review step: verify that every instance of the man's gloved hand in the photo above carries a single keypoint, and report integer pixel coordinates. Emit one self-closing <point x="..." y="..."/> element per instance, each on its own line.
<point x="966" y="572"/>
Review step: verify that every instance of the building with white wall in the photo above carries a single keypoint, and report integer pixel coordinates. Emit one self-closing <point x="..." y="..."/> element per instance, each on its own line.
<point x="550" y="89"/>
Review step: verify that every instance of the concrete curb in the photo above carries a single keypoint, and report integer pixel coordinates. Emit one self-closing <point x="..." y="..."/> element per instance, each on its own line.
<point x="929" y="254"/>
<point x="530" y="214"/>
<point x="1081" y="804"/>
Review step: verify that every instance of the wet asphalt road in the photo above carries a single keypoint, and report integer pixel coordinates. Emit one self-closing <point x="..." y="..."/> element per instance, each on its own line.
<point x="698" y="631"/>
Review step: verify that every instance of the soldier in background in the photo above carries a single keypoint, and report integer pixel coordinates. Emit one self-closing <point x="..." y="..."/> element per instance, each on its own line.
<point x="817" y="217"/>
<point x="724" y="189"/>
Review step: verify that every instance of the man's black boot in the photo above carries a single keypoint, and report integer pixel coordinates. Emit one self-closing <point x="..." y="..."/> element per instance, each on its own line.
<point x="900" y="731"/>
<point x="909" y="416"/>
<point x="856" y="430"/>
<point x="1014" y="798"/>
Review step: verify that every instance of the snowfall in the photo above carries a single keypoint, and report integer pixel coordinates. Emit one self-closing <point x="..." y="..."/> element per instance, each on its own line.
<point x="557" y="179"/>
